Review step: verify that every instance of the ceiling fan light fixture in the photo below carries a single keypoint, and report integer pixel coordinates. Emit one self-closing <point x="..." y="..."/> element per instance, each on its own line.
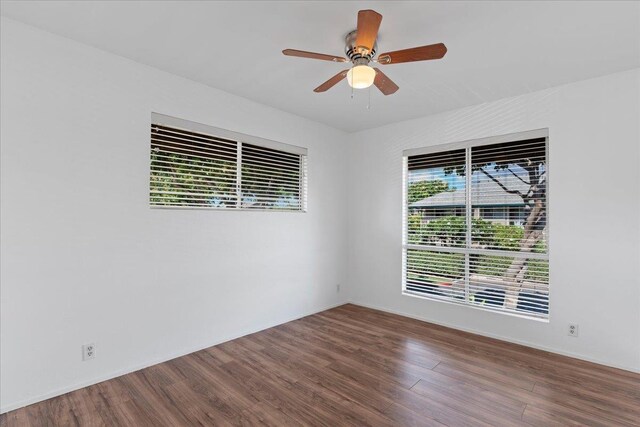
<point x="361" y="76"/>
<point x="361" y="46"/>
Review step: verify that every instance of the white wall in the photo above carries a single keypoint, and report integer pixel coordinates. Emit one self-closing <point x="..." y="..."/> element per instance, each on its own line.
<point x="594" y="196"/>
<point x="84" y="258"/>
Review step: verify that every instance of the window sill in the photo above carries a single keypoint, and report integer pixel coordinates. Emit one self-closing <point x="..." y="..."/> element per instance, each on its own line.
<point x="206" y="208"/>
<point x="475" y="307"/>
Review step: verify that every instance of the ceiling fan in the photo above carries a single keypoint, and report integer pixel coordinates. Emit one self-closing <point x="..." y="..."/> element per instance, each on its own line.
<point x="361" y="49"/>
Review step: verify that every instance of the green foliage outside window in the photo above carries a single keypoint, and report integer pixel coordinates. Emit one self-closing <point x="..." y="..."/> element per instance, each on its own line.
<point x="422" y="189"/>
<point x="182" y="179"/>
<point x="450" y="231"/>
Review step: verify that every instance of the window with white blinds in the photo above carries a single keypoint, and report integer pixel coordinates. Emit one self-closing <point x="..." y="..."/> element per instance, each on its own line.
<point x="475" y="224"/>
<point x="198" y="166"/>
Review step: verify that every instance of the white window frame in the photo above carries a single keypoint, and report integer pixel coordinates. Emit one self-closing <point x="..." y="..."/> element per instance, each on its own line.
<point x="240" y="138"/>
<point x="467" y="145"/>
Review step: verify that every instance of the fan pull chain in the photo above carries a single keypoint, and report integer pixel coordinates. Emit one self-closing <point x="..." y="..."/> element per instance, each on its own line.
<point x="369" y="100"/>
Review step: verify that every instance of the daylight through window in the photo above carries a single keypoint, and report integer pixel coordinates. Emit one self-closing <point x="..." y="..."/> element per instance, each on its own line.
<point x="196" y="166"/>
<point x="476" y="224"/>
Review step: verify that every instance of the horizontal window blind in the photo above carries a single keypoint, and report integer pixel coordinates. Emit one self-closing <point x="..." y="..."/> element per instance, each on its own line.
<point x="200" y="169"/>
<point x="476" y="225"/>
<point x="271" y="178"/>
<point x="434" y="175"/>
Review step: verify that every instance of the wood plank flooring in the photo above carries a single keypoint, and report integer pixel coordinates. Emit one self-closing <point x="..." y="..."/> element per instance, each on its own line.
<point x="354" y="366"/>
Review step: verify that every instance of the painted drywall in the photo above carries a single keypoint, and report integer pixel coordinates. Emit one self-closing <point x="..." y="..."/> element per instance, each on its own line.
<point x="594" y="219"/>
<point x="84" y="258"/>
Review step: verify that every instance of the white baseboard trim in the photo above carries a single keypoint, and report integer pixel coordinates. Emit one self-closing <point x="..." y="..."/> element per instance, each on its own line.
<point x="67" y="389"/>
<point x="501" y="338"/>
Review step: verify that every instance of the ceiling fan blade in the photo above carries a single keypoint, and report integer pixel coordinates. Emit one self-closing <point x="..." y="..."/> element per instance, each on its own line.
<point x="422" y="53"/>
<point x="331" y="82"/>
<point x="313" y="55"/>
<point x="368" y="25"/>
<point x="384" y="83"/>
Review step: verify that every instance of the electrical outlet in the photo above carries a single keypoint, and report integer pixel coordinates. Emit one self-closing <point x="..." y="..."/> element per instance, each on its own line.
<point x="573" y="330"/>
<point x="338" y="288"/>
<point x="88" y="351"/>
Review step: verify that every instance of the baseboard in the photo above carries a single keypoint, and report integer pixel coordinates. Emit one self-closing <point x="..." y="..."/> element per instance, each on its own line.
<point x="63" y="390"/>
<point x="68" y="389"/>
<point x="501" y="338"/>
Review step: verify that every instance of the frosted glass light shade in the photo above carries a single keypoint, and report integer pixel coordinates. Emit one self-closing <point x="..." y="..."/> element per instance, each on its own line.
<point x="361" y="76"/>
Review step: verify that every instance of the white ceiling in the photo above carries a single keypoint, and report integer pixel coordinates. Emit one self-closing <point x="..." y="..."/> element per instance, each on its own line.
<point x="496" y="49"/>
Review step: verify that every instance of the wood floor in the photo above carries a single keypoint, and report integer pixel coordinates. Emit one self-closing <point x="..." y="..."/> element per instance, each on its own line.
<point x="354" y="366"/>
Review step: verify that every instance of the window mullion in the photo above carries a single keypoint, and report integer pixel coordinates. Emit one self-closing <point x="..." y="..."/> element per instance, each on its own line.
<point x="468" y="222"/>
<point x="239" y="175"/>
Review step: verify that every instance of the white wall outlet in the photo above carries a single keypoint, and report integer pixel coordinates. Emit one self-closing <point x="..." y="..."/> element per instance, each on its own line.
<point x="573" y="330"/>
<point x="338" y="288"/>
<point x="88" y="351"/>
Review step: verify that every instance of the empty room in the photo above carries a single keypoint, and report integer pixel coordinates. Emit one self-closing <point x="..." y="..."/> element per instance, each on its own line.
<point x="320" y="213"/>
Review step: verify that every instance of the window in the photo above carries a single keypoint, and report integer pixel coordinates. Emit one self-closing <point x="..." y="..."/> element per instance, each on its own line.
<point x="198" y="166"/>
<point x="475" y="224"/>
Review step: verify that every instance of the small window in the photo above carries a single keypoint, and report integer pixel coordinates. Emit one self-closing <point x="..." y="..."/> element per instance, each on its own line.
<point x="198" y="166"/>
<point x="476" y="224"/>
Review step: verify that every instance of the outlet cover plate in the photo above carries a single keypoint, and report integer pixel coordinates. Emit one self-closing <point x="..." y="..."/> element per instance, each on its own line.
<point x="88" y="351"/>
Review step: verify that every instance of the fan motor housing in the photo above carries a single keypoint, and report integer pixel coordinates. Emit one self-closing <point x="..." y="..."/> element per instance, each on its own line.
<point x="358" y="55"/>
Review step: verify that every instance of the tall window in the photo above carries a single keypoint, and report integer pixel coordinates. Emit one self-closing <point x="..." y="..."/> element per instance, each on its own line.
<point x="476" y="224"/>
<point x="197" y="166"/>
